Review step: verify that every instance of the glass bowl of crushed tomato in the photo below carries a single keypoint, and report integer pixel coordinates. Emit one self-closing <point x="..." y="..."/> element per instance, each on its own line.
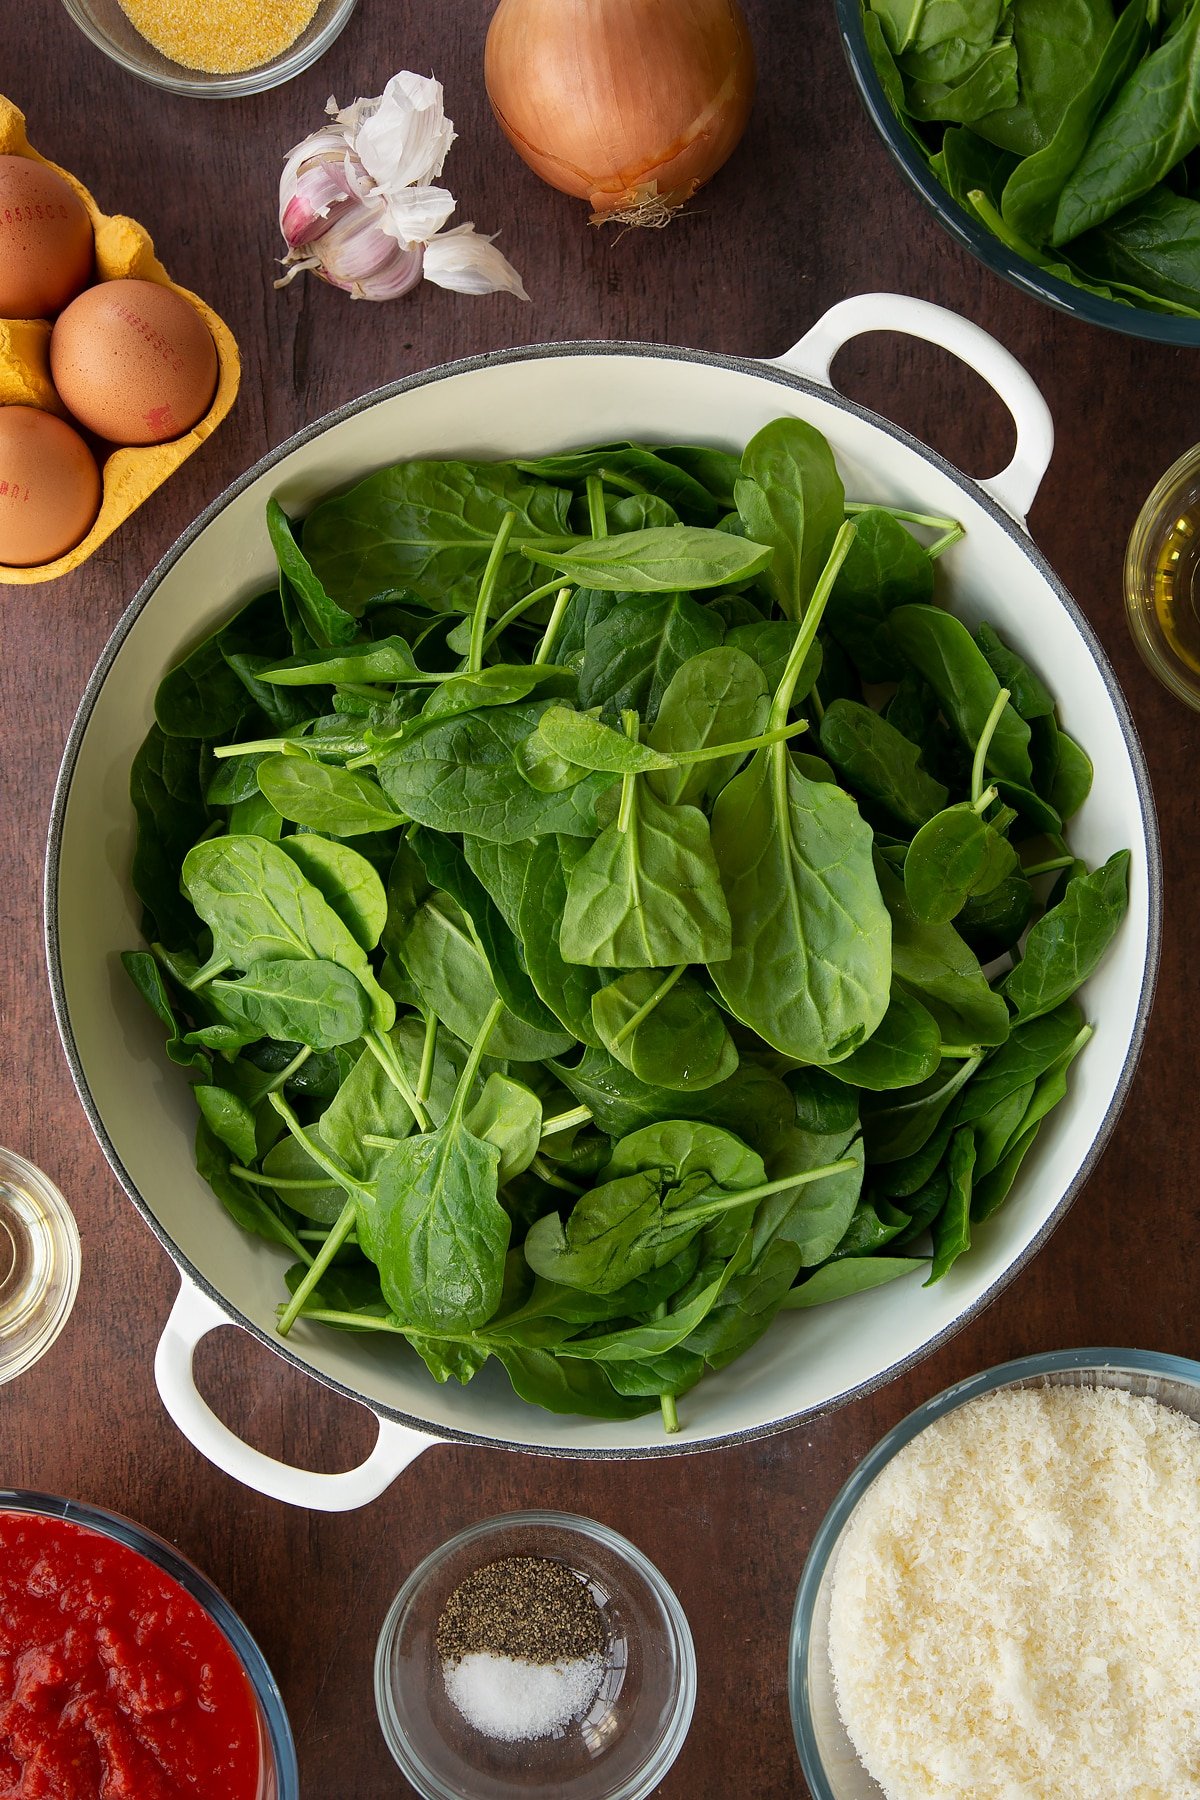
<point x="124" y="1674"/>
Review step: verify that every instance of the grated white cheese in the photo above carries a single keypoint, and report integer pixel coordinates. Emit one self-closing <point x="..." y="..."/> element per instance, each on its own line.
<point x="1015" y="1607"/>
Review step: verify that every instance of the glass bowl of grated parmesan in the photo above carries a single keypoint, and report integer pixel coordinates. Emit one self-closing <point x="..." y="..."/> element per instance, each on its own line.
<point x="1005" y="1596"/>
<point x="535" y="1653"/>
<point x="217" y="49"/>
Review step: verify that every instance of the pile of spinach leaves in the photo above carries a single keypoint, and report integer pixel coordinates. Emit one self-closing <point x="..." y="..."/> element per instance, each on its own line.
<point x="603" y="902"/>
<point x="1069" y="128"/>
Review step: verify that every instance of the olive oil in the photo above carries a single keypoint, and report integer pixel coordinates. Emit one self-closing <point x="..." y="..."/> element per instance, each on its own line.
<point x="39" y="1264"/>
<point x="1175" y="593"/>
<point x="1162" y="579"/>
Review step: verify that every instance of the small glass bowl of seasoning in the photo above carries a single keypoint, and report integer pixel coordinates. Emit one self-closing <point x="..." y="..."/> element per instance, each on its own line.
<point x="39" y="1264"/>
<point x="1162" y="579"/>
<point x="536" y="1653"/>
<point x="1000" y="1598"/>
<point x="214" y="48"/>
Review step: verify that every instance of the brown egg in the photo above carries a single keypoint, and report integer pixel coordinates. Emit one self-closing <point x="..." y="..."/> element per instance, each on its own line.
<point x="49" y="487"/>
<point x="46" y="240"/>
<point x="134" y="362"/>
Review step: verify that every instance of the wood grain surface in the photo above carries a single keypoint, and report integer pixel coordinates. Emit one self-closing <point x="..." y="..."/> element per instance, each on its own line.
<point x="809" y="209"/>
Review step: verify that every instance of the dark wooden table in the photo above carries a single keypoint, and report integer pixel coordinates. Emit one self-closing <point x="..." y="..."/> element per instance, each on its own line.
<point x="810" y="209"/>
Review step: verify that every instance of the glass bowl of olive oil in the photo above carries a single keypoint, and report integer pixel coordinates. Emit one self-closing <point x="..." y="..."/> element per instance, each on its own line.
<point x="1162" y="579"/>
<point x="39" y="1264"/>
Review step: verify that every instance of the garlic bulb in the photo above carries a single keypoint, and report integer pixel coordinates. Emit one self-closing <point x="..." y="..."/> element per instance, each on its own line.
<point x="357" y="204"/>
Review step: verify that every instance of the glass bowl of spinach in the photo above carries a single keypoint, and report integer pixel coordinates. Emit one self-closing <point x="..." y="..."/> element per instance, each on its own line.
<point x="1057" y="140"/>
<point x="533" y="763"/>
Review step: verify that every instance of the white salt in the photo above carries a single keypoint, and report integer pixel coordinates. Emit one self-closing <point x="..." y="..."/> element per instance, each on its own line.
<point x="508" y="1698"/>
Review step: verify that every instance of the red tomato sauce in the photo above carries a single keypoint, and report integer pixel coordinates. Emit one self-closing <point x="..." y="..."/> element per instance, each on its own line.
<point x="114" y="1683"/>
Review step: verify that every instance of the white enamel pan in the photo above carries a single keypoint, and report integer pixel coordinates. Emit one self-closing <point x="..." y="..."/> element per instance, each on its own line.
<point x="522" y="403"/>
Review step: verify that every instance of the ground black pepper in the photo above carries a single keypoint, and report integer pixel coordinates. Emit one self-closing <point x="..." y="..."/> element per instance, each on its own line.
<point x="530" y="1607"/>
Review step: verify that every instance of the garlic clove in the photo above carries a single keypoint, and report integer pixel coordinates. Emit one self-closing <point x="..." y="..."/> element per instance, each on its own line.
<point x="406" y="138"/>
<point x="414" y="214"/>
<point x="468" y="262"/>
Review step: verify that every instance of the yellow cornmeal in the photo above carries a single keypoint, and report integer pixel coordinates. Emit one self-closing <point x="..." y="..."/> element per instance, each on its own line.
<point x="220" y="37"/>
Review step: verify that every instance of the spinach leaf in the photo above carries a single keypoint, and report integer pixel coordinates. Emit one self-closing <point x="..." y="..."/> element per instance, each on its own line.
<point x="1153" y="123"/>
<point x="312" y="1002"/>
<point x="432" y="1223"/>
<point x="877" y="760"/>
<point x="717" y="697"/>
<point x="1058" y="43"/>
<point x="647" y="893"/>
<point x="147" y="977"/>
<point x="166" y="786"/>
<point x="849" y="1275"/>
<point x="347" y="880"/>
<point x="259" y="908"/>
<point x="1066" y="944"/>
<point x="790" y="497"/>
<point x="952" y="857"/>
<point x="386" y="659"/>
<point x="952" y="1227"/>
<point x="461" y="776"/>
<point x="669" y="559"/>
<point x="429" y="527"/>
<point x="904" y="1048"/>
<point x="631" y="654"/>
<point x="326" y="799"/>
<point x="885" y="567"/>
<point x="632" y="467"/>
<point x="664" y="1029"/>
<point x="809" y="966"/>
<point x="1153" y="245"/>
<point x="932" y="963"/>
<point x="943" y="652"/>
<point x="325" y="621"/>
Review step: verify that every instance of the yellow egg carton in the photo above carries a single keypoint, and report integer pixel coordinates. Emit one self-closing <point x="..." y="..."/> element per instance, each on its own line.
<point x="130" y="475"/>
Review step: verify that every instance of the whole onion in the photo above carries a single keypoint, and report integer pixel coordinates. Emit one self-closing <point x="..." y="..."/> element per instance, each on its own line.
<point x="629" y="104"/>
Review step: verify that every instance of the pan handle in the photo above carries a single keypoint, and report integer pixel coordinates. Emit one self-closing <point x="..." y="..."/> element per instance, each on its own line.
<point x="193" y="1316"/>
<point x="1015" y="487"/>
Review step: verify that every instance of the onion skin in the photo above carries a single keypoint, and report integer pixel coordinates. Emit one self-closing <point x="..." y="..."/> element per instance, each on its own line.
<point x="629" y="104"/>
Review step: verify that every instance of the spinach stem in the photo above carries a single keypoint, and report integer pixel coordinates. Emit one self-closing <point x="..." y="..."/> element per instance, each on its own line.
<point x="282" y="1182"/>
<point x="808" y="627"/>
<point x="597" y="517"/>
<point x="471" y="1066"/>
<point x="321" y="1315"/>
<point x="984" y="800"/>
<point x="578" y="1115"/>
<point x="381" y="1049"/>
<point x="818" y="707"/>
<point x="629" y="724"/>
<point x="947" y="538"/>
<point x="320" y="1156"/>
<point x="216" y="965"/>
<point x="985" y="744"/>
<point x="293" y="746"/>
<point x="318" y="1237"/>
<point x="542" y="654"/>
<point x="487" y="588"/>
<point x="1045" y="868"/>
<point x="643" y="1012"/>
<point x="517" y="608"/>
<point x="680" y="759"/>
<point x="704" y="1209"/>
<point x="543" y="1170"/>
<point x="899" y="512"/>
<point x="670" y="1412"/>
<point x="959" y="1050"/>
<point x="428" y="1050"/>
<point x="282" y="1231"/>
<point x="375" y="1140"/>
<point x="280" y="1081"/>
<point x="321" y="1261"/>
